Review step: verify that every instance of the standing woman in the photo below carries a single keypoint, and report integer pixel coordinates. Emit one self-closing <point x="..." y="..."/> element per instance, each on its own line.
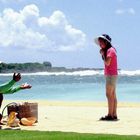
<point x="109" y="56"/>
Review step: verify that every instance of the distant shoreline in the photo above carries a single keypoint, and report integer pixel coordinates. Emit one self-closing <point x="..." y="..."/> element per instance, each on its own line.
<point x="31" y="67"/>
<point x="38" y="67"/>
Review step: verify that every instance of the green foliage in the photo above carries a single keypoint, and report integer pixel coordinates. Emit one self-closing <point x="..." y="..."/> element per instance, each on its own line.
<point x="37" y="67"/>
<point x="25" y="67"/>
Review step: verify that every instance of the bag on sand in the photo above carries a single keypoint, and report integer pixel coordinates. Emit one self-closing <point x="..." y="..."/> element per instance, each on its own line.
<point x="24" y="110"/>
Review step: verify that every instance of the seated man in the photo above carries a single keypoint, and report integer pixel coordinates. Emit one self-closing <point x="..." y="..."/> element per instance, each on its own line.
<point x="8" y="88"/>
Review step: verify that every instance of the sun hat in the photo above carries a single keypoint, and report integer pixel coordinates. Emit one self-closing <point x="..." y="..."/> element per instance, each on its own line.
<point x="103" y="36"/>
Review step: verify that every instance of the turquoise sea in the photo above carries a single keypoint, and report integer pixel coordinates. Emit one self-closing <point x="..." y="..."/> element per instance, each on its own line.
<point x="75" y="86"/>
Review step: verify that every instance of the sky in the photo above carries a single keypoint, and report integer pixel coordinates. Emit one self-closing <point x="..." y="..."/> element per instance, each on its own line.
<point x="62" y="31"/>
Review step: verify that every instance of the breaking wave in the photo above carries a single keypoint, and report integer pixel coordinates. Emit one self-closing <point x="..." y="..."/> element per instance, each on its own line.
<point x="79" y="73"/>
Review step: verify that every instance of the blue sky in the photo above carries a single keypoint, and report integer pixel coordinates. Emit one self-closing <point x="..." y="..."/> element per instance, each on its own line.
<point x="62" y="31"/>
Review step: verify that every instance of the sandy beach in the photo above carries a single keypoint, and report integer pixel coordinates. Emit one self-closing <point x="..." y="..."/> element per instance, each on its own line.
<point x="84" y="117"/>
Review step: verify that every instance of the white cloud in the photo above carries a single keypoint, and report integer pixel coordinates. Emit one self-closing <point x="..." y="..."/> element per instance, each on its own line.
<point x="28" y="29"/>
<point x="129" y="11"/>
<point x="30" y="10"/>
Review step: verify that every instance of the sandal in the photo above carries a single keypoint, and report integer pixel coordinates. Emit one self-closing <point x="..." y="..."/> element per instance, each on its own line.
<point x="115" y="118"/>
<point x="107" y="118"/>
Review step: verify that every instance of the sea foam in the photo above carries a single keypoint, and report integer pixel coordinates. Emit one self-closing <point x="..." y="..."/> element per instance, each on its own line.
<point x="78" y="73"/>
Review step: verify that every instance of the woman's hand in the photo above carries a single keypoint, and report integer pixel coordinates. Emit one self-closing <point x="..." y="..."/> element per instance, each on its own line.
<point x="102" y="52"/>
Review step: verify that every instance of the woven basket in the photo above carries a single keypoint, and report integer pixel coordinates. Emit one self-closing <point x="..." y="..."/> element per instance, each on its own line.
<point x="24" y="110"/>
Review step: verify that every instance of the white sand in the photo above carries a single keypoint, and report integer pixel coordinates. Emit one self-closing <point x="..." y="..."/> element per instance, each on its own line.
<point x="83" y="117"/>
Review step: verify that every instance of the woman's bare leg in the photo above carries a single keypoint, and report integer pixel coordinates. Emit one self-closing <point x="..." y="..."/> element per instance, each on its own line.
<point x="110" y="98"/>
<point x="115" y="104"/>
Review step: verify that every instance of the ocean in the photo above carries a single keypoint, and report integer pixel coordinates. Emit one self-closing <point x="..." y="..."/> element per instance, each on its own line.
<point x="88" y="85"/>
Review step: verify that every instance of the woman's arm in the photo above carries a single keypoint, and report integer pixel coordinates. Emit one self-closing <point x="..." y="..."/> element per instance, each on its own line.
<point x="107" y="61"/>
